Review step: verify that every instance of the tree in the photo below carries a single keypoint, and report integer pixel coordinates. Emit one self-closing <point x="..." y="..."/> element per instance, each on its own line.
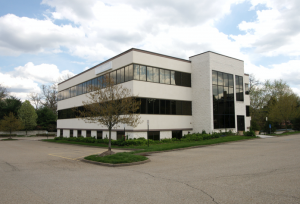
<point x="27" y="115"/>
<point x="10" y="123"/>
<point x="3" y="92"/>
<point x="284" y="109"/>
<point x="262" y="95"/>
<point x="10" y="104"/>
<point x="46" y="119"/>
<point x="49" y="96"/>
<point x="110" y="106"/>
<point x="35" y="98"/>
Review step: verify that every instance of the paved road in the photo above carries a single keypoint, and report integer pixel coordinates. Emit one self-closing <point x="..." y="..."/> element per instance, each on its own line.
<point x="256" y="171"/>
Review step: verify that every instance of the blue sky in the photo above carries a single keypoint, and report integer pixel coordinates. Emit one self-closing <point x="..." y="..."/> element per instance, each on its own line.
<point x="42" y="41"/>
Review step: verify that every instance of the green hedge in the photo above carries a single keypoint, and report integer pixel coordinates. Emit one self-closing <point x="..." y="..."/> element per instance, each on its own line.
<point x="143" y="142"/>
<point x="45" y="135"/>
<point x="5" y="135"/>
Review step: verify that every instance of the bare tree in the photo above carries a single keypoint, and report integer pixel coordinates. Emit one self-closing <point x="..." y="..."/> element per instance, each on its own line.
<point x="253" y="82"/>
<point x="110" y="106"/>
<point x="35" y="98"/>
<point x="49" y="96"/>
<point x="3" y="92"/>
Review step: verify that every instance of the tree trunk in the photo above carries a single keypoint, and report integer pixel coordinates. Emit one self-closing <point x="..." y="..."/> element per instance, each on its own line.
<point x="109" y="142"/>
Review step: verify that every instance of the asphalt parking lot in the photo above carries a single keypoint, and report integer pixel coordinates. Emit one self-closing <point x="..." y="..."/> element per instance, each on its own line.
<point x="254" y="171"/>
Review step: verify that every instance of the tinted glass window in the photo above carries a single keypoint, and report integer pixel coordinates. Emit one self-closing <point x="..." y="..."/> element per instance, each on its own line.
<point x="143" y="73"/>
<point x="126" y="74"/>
<point x="99" y="79"/>
<point x="186" y="107"/>
<point x="214" y="77"/>
<point x="186" y="79"/>
<point x="178" y="78"/>
<point x="156" y="106"/>
<point x="167" y="77"/>
<point x="173" y="107"/>
<point x="150" y="104"/>
<point x="247" y="111"/>
<point x="143" y="106"/>
<point x="215" y="92"/>
<point x="226" y="82"/>
<point x="230" y="80"/>
<point x="220" y="78"/>
<point x="154" y="135"/>
<point x="162" y="76"/>
<point x="130" y="72"/>
<point x="113" y="77"/>
<point x="168" y="107"/>
<point x="136" y="72"/>
<point x="241" y="123"/>
<point x="173" y="77"/>
<point x="118" y="76"/>
<point x="99" y="134"/>
<point x="156" y="75"/>
<point x="162" y="106"/>
<point x="84" y="87"/>
<point x="178" y="108"/>
<point x="149" y="74"/>
<point x="247" y="89"/>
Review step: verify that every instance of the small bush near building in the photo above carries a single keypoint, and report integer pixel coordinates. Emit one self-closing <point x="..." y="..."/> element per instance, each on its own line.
<point x="45" y="135"/>
<point x="7" y="135"/>
<point x="249" y="133"/>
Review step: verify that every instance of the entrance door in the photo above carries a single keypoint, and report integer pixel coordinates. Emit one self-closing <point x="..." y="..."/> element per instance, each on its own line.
<point x="241" y="123"/>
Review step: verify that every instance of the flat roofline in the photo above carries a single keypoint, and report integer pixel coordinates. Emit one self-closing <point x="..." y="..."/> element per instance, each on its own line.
<point x="217" y="54"/>
<point x="246" y="74"/>
<point x="132" y="49"/>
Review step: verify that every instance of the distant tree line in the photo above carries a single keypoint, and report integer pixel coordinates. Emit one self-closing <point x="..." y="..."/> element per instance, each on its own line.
<point x="42" y="116"/>
<point x="276" y="101"/>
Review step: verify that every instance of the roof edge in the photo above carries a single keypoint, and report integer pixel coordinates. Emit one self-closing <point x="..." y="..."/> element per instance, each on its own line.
<point x="217" y="54"/>
<point x="131" y="49"/>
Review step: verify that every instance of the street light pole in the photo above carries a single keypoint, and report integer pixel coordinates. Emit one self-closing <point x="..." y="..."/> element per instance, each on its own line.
<point x="148" y="131"/>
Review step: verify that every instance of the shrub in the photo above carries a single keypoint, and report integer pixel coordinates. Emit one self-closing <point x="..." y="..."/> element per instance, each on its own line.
<point x="45" y="135"/>
<point x="4" y="135"/>
<point x="249" y="133"/>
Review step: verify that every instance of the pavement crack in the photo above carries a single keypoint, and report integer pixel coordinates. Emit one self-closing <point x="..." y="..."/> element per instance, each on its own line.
<point x="212" y="198"/>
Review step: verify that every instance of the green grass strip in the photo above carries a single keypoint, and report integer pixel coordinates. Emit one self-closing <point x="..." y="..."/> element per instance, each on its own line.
<point x="117" y="158"/>
<point x="285" y="133"/>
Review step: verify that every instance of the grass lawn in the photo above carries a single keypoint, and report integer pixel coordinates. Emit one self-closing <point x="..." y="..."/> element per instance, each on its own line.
<point x="285" y="133"/>
<point x="117" y="158"/>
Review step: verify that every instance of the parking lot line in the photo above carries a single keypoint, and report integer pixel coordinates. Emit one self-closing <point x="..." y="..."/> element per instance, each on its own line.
<point x="74" y="158"/>
<point x="61" y="157"/>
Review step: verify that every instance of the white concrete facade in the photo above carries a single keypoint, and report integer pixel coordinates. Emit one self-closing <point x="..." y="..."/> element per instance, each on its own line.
<point x="200" y="94"/>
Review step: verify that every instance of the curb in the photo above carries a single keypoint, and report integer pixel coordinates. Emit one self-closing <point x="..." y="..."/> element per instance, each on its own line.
<point x="116" y="165"/>
<point x="193" y="147"/>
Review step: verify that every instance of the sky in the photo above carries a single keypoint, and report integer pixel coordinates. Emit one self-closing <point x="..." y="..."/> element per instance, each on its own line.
<point x="42" y="41"/>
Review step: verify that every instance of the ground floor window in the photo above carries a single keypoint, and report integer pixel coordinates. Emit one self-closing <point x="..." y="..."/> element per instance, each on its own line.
<point x="61" y="132"/>
<point x="120" y="135"/>
<point x="177" y="134"/>
<point x="71" y="133"/>
<point x="99" y="134"/>
<point x="88" y="133"/>
<point x="241" y="123"/>
<point x="79" y="133"/>
<point x="154" y="135"/>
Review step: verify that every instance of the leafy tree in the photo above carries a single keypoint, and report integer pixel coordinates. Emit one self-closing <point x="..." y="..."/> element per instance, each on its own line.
<point x="3" y="92"/>
<point x="284" y="109"/>
<point x="10" y="123"/>
<point x="27" y="115"/>
<point x="110" y="107"/>
<point x="262" y="96"/>
<point x="10" y="104"/>
<point x="46" y="119"/>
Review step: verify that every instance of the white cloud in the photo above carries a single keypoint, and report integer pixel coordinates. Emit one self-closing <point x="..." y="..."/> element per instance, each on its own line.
<point x="25" y="79"/>
<point x="276" y="30"/>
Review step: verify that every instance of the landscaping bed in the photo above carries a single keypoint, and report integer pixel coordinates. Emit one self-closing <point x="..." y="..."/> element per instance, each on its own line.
<point x="140" y="145"/>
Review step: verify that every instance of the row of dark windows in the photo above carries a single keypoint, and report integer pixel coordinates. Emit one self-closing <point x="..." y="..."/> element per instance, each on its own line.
<point x="148" y="106"/>
<point x="222" y="79"/>
<point x="128" y="73"/>
<point x="154" y="135"/>
<point x="224" y="121"/>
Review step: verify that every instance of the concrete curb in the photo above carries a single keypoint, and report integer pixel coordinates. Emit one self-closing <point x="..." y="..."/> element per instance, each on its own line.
<point x="193" y="147"/>
<point x="116" y="165"/>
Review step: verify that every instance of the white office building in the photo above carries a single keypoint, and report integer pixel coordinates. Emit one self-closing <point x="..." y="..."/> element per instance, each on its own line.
<point x="207" y="92"/>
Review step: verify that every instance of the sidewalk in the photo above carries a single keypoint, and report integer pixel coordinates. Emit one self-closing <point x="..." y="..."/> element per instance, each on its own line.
<point x="264" y="136"/>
